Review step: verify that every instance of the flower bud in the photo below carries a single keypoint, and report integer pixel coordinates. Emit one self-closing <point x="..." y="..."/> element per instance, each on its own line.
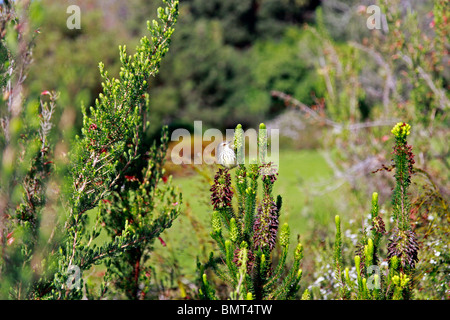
<point x="234" y="232"/>
<point x="401" y="130"/>
<point x="299" y="275"/>
<point x="396" y="280"/>
<point x="394" y="262"/>
<point x="375" y="198"/>
<point x="284" y="235"/>
<point x="337" y="220"/>
<point x="357" y="263"/>
<point x="216" y="223"/>
<point x="347" y="275"/>
<point x="298" y="252"/>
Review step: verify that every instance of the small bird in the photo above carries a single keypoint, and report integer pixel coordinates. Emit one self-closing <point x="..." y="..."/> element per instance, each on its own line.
<point x="225" y="155"/>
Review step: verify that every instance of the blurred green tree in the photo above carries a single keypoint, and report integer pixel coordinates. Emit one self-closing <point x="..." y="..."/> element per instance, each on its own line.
<point x="212" y="81"/>
<point x="45" y="238"/>
<point x="66" y="60"/>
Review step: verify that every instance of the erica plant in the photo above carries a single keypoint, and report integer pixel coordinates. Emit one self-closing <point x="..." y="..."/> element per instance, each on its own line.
<point x="246" y="231"/>
<point x="403" y="244"/>
<point x="111" y="166"/>
<point x="396" y="281"/>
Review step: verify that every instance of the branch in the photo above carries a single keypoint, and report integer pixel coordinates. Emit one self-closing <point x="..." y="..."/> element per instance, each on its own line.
<point x="389" y="84"/>
<point x="444" y="102"/>
<point x="288" y="99"/>
<point x="339" y="126"/>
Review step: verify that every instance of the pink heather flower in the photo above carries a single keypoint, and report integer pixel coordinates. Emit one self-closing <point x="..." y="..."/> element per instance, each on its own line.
<point x="10" y="238"/>
<point x="221" y="193"/>
<point x="131" y="178"/>
<point x="265" y="227"/>
<point x="162" y="241"/>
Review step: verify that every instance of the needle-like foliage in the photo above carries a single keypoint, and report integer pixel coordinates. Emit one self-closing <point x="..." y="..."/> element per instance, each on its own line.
<point x="248" y="234"/>
<point x="111" y="165"/>
<point x="402" y="251"/>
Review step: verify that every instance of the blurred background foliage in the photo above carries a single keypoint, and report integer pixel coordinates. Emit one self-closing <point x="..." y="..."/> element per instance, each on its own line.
<point x="227" y="61"/>
<point x="222" y="63"/>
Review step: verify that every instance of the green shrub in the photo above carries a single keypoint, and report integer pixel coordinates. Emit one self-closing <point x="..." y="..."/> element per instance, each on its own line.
<point x="247" y="235"/>
<point x="109" y="164"/>
<point x="373" y="281"/>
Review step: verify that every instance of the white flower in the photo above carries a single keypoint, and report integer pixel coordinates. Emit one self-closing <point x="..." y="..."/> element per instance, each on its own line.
<point x="319" y="279"/>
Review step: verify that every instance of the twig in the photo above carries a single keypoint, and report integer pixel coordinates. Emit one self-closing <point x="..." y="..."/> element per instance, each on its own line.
<point x="389" y="84"/>
<point x="339" y="126"/>
<point x="444" y="102"/>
